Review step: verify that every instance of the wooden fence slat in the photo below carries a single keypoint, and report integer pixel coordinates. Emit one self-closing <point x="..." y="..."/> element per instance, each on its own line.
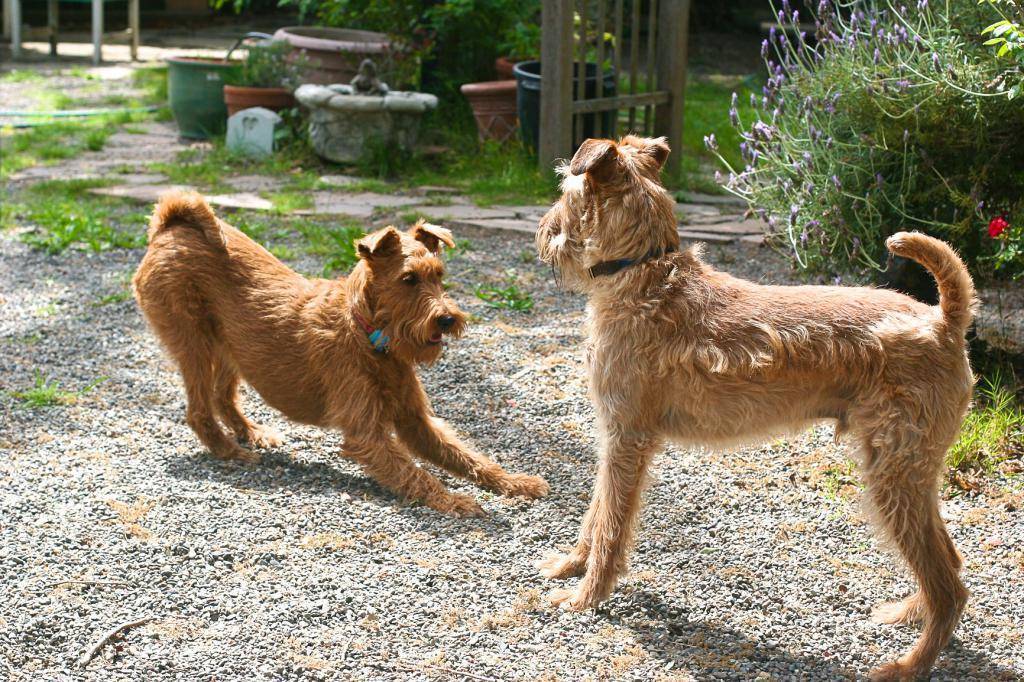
<point x="599" y="93"/>
<point x="674" y="20"/>
<point x="652" y="85"/>
<point x="621" y="101"/>
<point x="556" y="84"/>
<point x="581" y="71"/>
<point x="634" y="57"/>
<point x="617" y="63"/>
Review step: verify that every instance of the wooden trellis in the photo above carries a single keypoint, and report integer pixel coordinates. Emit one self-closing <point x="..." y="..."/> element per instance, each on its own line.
<point x="642" y="42"/>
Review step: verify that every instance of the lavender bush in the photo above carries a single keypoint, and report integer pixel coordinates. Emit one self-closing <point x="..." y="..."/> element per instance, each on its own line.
<point x="889" y="117"/>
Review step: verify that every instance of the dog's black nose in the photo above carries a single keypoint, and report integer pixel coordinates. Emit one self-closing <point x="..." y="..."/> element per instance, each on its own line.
<point x="445" y="322"/>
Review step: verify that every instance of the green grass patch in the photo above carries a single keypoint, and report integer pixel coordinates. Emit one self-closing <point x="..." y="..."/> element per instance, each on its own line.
<point x="48" y="392"/>
<point x="208" y="169"/>
<point x="508" y="297"/>
<point x="62" y="214"/>
<point x="993" y="430"/>
<point x="116" y="297"/>
<point x="335" y="244"/>
<point x="21" y="76"/>
<point x="291" y="200"/>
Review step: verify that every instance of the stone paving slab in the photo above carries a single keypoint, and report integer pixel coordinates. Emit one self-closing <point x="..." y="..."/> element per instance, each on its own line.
<point x="254" y="183"/>
<point x="696" y="210"/>
<point x="735" y="226"/>
<point x="339" y="180"/>
<point x="358" y="205"/>
<point x="150" y="194"/>
<point x="513" y="224"/>
<point x="459" y="212"/>
<point x="714" y="199"/>
<point x="694" y="235"/>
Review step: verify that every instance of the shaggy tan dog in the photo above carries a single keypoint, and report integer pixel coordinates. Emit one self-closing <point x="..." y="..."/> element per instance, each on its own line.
<point x="334" y="353"/>
<point x="678" y="351"/>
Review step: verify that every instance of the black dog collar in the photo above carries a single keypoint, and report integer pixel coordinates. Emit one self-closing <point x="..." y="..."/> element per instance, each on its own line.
<point x="610" y="267"/>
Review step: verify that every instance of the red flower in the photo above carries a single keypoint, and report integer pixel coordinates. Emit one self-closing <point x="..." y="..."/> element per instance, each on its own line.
<point x="996" y="226"/>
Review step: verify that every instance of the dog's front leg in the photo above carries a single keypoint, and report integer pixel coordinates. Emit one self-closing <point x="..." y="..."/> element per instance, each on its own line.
<point x="387" y="462"/>
<point x="433" y="440"/>
<point x="609" y="524"/>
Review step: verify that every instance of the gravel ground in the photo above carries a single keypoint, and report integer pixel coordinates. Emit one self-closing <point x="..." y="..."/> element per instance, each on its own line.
<point x="750" y="565"/>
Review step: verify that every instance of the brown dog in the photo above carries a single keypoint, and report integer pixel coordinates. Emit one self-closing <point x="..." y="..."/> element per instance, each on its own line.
<point x="678" y="351"/>
<point x="334" y="353"/>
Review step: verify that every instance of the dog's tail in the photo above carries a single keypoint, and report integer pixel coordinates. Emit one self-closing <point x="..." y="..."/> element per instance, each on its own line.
<point x="956" y="289"/>
<point x="185" y="209"/>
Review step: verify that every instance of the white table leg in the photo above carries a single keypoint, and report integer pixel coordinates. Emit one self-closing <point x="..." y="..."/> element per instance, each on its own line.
<point x="97" y="31"/>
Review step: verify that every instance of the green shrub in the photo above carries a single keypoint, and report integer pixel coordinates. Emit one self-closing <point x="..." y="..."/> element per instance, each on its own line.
<point x="895" y="118"/>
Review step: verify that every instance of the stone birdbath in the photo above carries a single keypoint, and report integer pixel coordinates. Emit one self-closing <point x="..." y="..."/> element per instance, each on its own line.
<point x="345" y="119"/>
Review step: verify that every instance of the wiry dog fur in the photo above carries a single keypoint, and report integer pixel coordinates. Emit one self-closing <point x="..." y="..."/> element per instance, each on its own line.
<point x="226" y="309"/>
<point x="679" y="351"/>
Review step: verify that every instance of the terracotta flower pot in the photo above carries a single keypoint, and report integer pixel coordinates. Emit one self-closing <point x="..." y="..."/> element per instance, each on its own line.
<point x="503" y="66"/>
<point x="494" y="107"/>
<point x="334" y="54"/>
<point x="238" y="97"/>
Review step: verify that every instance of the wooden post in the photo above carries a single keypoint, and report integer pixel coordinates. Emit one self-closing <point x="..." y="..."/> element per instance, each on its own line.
<point x="15" y="14"/>
<point x="673" y="29"/>
<point x="52" y="23"/>
<point x="133" y="25"/>
<point x="97" y="31"/>
<point x="556" y="82"/>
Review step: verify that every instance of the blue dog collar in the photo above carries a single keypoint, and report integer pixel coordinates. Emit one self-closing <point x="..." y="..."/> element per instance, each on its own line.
<point x="377" y="338"/>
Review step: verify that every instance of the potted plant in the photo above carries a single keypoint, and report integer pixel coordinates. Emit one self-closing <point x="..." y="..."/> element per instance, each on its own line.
<point x="268" y="76"/>
<point x="521" y="44"/>
<point x="494" y="108"/>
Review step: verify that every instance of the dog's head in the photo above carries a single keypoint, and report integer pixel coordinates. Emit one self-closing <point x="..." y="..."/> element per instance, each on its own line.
<point x="613" y="206"/>
<point x="400" y="285"/>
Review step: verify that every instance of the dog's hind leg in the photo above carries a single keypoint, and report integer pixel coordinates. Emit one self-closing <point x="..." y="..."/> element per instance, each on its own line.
<point x="229" y="407"/>
<point x="621" y="476"/>
<point x="902" y="494"/>
<point x="433" y="440"/>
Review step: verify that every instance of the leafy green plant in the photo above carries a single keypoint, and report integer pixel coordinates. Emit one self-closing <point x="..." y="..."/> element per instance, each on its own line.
<point x="336" y="244"/>
<point x="892" y="120"/>
<point x="1008" y="41"/>
<point x="992" y="431"/>
<point x="48" y="392"/>
<point x="270" y="65"/>
<point x="508" y="297"/>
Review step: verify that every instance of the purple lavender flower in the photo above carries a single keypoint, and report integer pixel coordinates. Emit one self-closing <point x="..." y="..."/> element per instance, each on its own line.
<point x="718" y="177"/>
<point x="879" y="180"/>
<point x="796" y="17"/>
<point x="935" y="61"/>
<point x="753" y="101"/>
<point x="803" y="238"/>
<point x="906" y="135"/>
<point x="710" y="142"/>
<point x="793" y="212"/>
<point x="785" y="6"/>
<point x="782" y="17"/>
<point x="734" y="116"/>
<point x="807" y="159"/>
<point x="764" y="48"/>
<point x="836" y="182"/>
<point x="878" y="55"/>
<point x="837" y="280"/>
<point x="922" y="4"/>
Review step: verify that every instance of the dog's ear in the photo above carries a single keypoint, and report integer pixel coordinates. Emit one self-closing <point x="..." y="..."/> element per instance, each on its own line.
<point x="381" y="243"/>
<point x="432" y="236"/>
<point x="597" y="158"/>
<point x="657" y="148"/>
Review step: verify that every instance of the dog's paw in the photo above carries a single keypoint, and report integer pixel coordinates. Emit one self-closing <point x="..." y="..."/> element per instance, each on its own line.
<point x="238" y="454"/>
<point x="893" y="672"/>
<point x="524" y="485"/>
<point x="457" y="505"/>
<point x="569" y="600"/>
<point x="562" y="566"/>
<point x="264" y="437"/>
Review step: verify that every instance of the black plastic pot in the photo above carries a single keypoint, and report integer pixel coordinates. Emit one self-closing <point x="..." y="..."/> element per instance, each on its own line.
<point x="528" y="75"/>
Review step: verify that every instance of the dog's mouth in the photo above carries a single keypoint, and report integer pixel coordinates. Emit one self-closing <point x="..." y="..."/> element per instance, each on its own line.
<point x="435" y="339"/>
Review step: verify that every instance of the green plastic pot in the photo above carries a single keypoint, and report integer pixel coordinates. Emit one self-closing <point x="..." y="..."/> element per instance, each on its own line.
<point x="195" y="88"/>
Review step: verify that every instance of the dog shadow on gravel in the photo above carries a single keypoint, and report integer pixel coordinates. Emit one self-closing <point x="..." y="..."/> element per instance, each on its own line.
<point x="279" y="468"/>
<point x="712" y="649"/>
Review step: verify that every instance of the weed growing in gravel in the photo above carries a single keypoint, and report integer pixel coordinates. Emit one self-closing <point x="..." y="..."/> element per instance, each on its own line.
<point x="290" y="200"/>
<point x="48" y="392"/>
<point x="21" y="76"/>
<point x="462" y="246"/>
<point x="993" y="431"/>
<point x="335" y="244"/>
<point x="208" y="168"/>
<point x="116" y="297"/>
<point x="508" y="297"/>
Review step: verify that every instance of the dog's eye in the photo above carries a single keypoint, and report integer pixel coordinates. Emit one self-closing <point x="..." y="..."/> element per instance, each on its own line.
<point x="410" y="279"/>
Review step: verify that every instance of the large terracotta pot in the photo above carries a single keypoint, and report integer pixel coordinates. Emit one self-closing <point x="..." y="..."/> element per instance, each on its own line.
<point x="238" y="97"/>
<point x="334" y="54"/>
<point x="494" y="107"/>
<point x="503" y="66"/>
